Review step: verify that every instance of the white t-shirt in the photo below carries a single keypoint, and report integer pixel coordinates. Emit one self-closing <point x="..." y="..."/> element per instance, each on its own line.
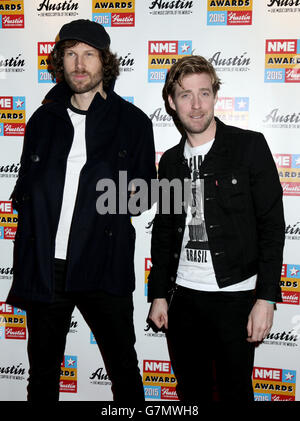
<point x="75" y="162"/>
<point x="195" y="269"/>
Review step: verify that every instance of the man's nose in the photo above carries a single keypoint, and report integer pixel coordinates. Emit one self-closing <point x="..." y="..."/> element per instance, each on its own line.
<point x="196" y="103"/>
<point x="79" y="63"/>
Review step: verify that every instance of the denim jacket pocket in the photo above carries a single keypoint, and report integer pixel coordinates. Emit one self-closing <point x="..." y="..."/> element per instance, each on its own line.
<point x="230" y="191"/>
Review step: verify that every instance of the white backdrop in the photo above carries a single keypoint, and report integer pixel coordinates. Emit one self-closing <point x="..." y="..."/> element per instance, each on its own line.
<point x="255" y="48"/>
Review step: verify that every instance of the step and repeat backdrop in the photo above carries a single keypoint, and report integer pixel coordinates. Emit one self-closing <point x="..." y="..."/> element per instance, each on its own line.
<point x="255" y="48"/>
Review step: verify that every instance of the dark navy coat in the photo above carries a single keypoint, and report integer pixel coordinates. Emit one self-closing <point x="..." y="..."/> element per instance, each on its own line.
<point x="119" y="137"/>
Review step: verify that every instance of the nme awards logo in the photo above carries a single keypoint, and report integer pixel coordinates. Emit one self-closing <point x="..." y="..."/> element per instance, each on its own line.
<point x="161" y="56"/>
<point x="288" y="166"/>
<point x="12" y="322"/>
<point x="8" y="221"/>
<point x="233" y="111"/>
<point x="68" y="374"/>
<point x="12" y="115"/>
<point x="274" y="384"/>
<point x="282" y="61"/>
<point x="159" y="380"/>
<point x="114" y="13"/>
<point x="44" y="51"/>
<point x="290" y="284"/>
<point x="229" y="12"/>
<point x="148" y="265"/>
<point x="11" y="14"/>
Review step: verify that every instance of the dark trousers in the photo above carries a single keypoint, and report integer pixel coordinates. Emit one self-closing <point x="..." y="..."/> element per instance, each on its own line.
<point x="111" y="320"/>
<point x="208" y="347"/>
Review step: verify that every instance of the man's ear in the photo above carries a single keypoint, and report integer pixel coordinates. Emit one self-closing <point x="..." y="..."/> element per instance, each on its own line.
<point x="171" y="103"/>
<point x="216" y="99"/>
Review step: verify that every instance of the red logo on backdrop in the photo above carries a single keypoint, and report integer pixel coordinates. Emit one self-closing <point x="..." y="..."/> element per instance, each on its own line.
<point x="9" y="233"/>
<point x="281" y="46"/>
<point x="292" y="75"/>
<point x="169" y="393"/>
<point x="16" y="21"/>
<point x="12" y="14"/>
<point x="122" y="19"/>
<point x="239" y="18"/>
<point x="281" y="398"/>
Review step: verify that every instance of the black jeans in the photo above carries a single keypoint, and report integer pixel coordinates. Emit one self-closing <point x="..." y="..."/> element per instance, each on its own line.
<point x="111" y="320"/>
<point x="207" y="339"/>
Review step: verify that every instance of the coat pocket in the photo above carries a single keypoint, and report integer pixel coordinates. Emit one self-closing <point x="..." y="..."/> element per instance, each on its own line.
<point x="230" y="191"/>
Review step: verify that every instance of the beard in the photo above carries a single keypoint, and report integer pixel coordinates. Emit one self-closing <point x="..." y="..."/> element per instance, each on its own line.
<point x="89" y="84"/>
<point x="197" y="129"/>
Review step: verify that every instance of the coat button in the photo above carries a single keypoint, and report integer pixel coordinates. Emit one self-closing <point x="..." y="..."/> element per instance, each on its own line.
<point x="122" y="154"/>
<point x="179" y="229"/>
<point x="234" y="181"/>
<point x="35" y="158"/>
<point x="219" y="253"/>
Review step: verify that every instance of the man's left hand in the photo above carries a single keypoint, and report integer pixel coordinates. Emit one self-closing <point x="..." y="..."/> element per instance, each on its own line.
<point x="260" y="321"/>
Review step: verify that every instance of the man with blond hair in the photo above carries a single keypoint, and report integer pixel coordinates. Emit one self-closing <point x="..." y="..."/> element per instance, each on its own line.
<point x="216" y="266"/>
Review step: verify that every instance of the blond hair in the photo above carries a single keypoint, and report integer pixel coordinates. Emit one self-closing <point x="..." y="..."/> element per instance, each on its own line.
<point x="188" y="65"/>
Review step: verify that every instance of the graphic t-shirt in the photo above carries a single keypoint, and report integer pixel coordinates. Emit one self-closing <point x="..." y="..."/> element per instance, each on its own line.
<point x="195" y="269"/>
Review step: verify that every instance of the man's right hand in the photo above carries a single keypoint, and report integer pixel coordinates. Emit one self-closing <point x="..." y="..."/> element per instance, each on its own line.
<point x="159" y="313"/>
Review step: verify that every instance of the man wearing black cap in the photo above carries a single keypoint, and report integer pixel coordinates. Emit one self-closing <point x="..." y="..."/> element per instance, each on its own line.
<point x="66" y="254"/>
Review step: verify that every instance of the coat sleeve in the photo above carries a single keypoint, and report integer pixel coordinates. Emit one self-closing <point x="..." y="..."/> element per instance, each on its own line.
<point x="144" y="164"/>
<point x="16" y="195"/>
<point x="159" y="281"/>
<point x="267" y="198"/>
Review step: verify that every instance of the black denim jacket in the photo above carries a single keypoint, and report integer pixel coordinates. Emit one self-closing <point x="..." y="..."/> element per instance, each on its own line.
<point x="243" y="213"/>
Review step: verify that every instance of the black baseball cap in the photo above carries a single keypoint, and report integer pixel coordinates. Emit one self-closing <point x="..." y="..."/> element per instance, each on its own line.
<point x="86" y="31"/>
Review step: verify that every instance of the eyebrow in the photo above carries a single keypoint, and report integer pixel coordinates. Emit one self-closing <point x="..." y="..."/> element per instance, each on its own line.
<point x="72" y="49"/>
<point x="201" y="90"/>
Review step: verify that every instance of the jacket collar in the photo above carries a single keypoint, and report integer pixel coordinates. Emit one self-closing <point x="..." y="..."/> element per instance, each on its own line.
<point x="60" y="95"/>
<point x="219" y="147"/>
